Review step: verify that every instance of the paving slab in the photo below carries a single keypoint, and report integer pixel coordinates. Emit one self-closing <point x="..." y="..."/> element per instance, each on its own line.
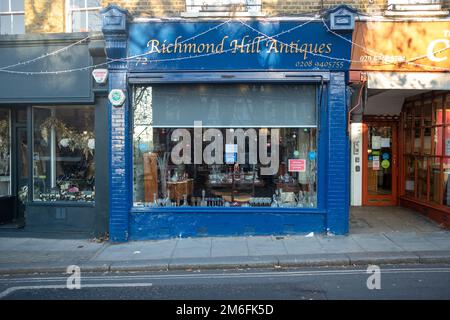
<point x="410" y="241"/>
<point x="229" y="247"/>
<point x="441" y="239"/>
<point x="141" y="250"/>
<point x="193" y="248"/>
<point x="263" y="246"/>
<point x="338" y="244"/>
<point x="375" y="242"/>
<point x="297" y="245"/>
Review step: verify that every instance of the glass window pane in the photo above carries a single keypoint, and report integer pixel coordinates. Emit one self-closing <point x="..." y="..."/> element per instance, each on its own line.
<point x="427" y="114"/>
<point x="422" y="178"/>
<point x="409" y="118"/>
<point x="427" y="140"/>
<point x="417" y="142"/>
<point x="79" y="21"/>
<point x="5" y="144"/>
<point x="94" y="3"/>
<point x="4" y="6"/>
<point x="438" y="140"/>
<point x="233" y="164"/>
<point x="234" y="106"/>
<point x="447" y="141"/>
<point x="78" y="4"/>
<point x="5" y="25"/>
<point x="17" y="5"/>
<point x="435" y="170"/>
<point x="447" y="109"/>
<point x="408" y="140"/>
<point x="409" y="176"/>
<point x="94" y="21"/>
<point x="437" y="104"/>
<point x="63" y="154"/>
<point x="18" y="24"/>
<point x="446" y="182"/>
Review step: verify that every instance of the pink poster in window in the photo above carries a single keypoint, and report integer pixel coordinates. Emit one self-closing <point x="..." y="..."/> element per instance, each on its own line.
<point x="297" y="165"/>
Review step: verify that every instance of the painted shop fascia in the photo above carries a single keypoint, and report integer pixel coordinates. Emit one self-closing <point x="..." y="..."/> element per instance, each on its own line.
<point x="54" y="183"/>
<point x="177" y="74"/>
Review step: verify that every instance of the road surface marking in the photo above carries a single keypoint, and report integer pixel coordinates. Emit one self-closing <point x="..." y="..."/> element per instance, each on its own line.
<point x="101" y="285"/>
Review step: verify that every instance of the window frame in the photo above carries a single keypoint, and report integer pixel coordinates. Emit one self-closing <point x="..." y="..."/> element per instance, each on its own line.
<point x="439" y="100"/>
<point x="31" y="192"/>
<point x="321" y="103"/>
<point x="70" y="11"/>
<point x="11" y="15"/>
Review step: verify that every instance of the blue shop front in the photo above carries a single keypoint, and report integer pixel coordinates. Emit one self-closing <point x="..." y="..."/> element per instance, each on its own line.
<point x="228" y="127"/>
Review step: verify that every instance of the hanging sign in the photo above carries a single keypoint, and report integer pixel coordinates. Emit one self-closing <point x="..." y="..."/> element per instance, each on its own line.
<point x="116" y="97"/>
<point x="100" y="75"/>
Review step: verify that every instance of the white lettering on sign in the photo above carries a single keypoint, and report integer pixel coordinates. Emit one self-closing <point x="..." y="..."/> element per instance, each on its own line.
<point x="431" y="52"/>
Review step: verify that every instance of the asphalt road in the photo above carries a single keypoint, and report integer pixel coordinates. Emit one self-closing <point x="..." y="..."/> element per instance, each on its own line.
<point x="396" y="282"/>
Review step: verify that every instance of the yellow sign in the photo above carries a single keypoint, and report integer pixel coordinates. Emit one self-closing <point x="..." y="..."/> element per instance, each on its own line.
<point x="401" y="46"/>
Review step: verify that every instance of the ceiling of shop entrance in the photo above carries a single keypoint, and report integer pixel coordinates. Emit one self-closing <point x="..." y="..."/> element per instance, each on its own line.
<point x="384" y="102"/>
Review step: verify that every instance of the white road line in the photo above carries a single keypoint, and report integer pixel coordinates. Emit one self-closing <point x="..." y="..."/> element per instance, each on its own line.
<point x="101" y="285"/>
<point x="109" y="277"/>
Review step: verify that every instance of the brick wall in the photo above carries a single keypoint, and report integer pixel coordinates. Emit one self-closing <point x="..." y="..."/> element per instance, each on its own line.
<point x="42" y="16"/>
<point x="151" y="8"/>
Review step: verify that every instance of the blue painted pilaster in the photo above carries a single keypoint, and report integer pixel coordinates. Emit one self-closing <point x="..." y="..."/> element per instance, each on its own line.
<point x="338" y="151"/>
<point x="115" y="32"/>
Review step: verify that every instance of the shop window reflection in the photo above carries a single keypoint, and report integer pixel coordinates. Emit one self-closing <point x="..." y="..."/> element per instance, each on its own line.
<point x="63" y="154"/>
<point x="235" y="176"/>
<point x="427" y="165"/>
<point x="5" y="145"/>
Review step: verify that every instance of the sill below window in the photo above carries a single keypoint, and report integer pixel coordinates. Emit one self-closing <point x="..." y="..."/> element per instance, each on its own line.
<point x="426" y="204"/>
<point x="61" y="203"/>
<point x="229" y="210"/>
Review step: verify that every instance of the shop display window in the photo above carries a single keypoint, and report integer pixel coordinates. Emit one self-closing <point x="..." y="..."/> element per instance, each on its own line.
<point x="5" y="152"/>
<point x="427" y="148"/>
<point x="63" y="153"/>
<point x="232" y="145"/>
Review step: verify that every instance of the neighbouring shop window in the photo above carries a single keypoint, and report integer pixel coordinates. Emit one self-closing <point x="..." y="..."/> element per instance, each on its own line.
<point x="215" y="145"/>
<point x="83" y="15"/>
<point x="63" y="153"/>
<point x="12" y="15"/>
<point x="426" y="134"/>
<point x="5" y="147"/>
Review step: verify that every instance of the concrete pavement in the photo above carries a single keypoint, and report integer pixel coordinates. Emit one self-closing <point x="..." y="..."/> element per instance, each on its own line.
<point x="386" y="236"/>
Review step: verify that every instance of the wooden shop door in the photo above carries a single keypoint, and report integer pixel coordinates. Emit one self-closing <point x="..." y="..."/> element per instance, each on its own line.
<point x="380" y="163"/>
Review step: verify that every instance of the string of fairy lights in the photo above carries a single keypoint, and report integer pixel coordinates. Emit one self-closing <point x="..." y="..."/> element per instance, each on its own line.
<point x="143" y="58"/>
